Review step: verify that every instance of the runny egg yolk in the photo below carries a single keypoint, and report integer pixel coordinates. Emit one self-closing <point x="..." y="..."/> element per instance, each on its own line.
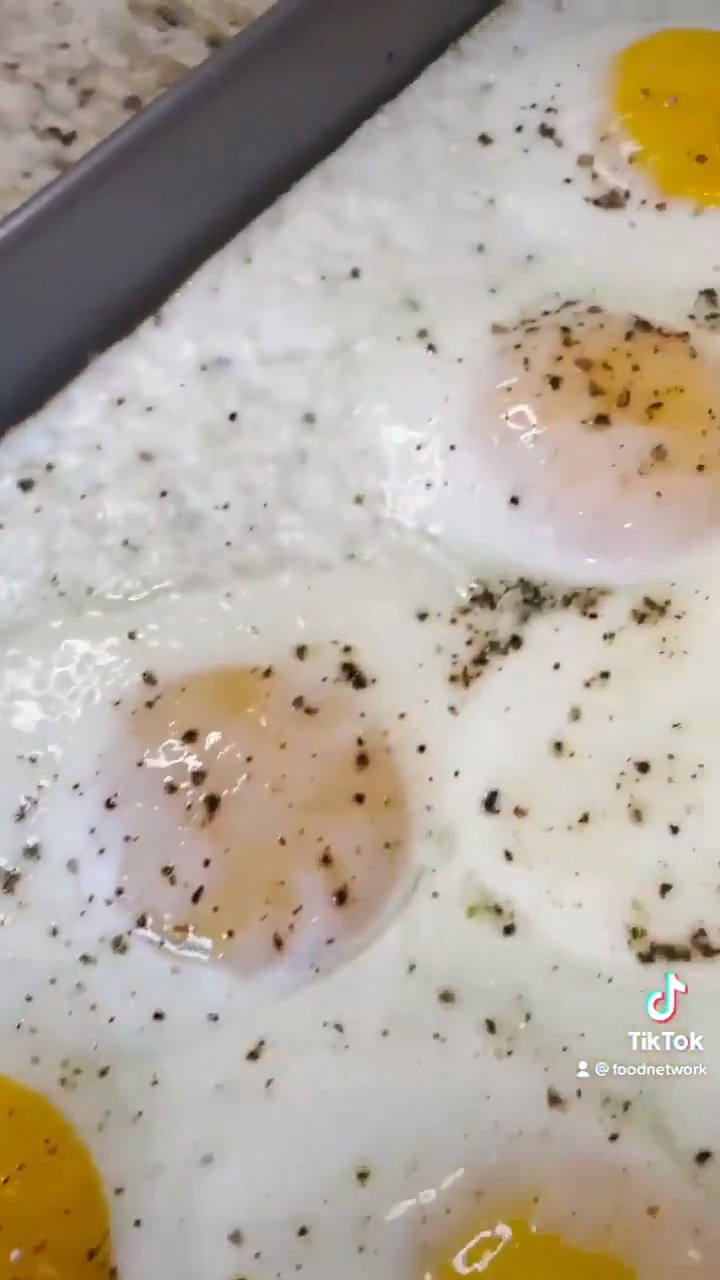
<point x="605" y="430"/>
<point x="666" y="96"/>
<point x="54" y="1222"/>
<point x="264" y="815"/>
<point x="604" y="372"/>
<point x="516" y="1250"/>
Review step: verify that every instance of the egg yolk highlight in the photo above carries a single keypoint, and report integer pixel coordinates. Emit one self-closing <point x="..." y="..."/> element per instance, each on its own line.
<point x="54" y="1221"/>
<point x="607" y="372"/>
<point x="516" y="1250"/>
<point x="266" y="818"/>
<point x="666" y="95"/>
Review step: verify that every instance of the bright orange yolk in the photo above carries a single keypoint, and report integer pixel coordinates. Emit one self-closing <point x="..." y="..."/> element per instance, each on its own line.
<point x="54" y="1222"/>
<point x="584" y="367"/>
<point x="515" y="1250"/>
<point x="281" y="822"/>
<point x="666" y="94"/>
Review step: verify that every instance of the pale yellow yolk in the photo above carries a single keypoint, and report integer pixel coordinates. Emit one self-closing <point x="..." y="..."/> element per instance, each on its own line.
<point x="666" y="93"/>
<point x="54" y="1222"/>
<point x="285" y="823"/>
<point x="586" y="369"/>
<point x="515" y="1250"/>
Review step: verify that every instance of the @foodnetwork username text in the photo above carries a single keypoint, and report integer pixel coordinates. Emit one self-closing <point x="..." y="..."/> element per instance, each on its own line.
<point x="588" y="1069"/>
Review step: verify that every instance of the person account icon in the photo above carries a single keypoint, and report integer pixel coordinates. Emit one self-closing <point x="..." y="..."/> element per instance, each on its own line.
<point x="582" y="1071"/>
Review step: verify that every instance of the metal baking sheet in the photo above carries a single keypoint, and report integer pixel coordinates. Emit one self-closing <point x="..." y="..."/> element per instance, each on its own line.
<point x="92" y="255"/>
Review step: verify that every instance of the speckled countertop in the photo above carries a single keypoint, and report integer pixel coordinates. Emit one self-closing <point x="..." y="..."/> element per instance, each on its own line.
<point x="71" y="71"/>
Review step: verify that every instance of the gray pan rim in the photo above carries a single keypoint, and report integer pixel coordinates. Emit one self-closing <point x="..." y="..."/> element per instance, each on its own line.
<point x="96" y="252"/>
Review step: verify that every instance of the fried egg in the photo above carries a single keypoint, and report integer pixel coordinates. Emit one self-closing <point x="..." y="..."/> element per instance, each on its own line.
<point x="236" y="781"/>
<point x="605" y="141"/>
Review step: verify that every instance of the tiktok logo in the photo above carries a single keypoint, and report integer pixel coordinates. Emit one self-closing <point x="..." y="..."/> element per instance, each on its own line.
<point x="662" y="1005"/>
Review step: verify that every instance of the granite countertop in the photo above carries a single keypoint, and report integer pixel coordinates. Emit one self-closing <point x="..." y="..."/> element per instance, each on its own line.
<point x="71" y="71"/>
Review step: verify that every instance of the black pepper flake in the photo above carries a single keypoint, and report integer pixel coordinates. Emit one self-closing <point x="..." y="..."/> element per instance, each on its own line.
<point x="302" y="1232"/>
<point x="485" y="139"/>
<point x="256" y="1053"/>
<point x="555" y="1100"/>
<point x="362" y="1175"/>
<point x="211" y="804"/>
<point x="352" y="674"/>
<point x="612" y="199"/>
<point x="703" y="1157"/>
<point x="702" y="945"/>
<point x="159" y="1015"/>
<point x="649" y="610"/>
<point x="26" y="484"/>
<point x="491" y="1026"/>
<point x="301" y="652"/>
<point x="119" y="945"/>
<point x="340" y="896"/>
<point x="111" y="801"/>
<point x="446" y="995"/>
<point x="189" y="737"/>
<point x="10" y="878"/>
<point x="642" y="766"/>
<point x="198" y="776"/>
<point x="149" y="678"/>
<point x="509" y="929"/>
<point x="196" y="895"/>
<point x="664" y="889"/>
<point x="491" y="801"/>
